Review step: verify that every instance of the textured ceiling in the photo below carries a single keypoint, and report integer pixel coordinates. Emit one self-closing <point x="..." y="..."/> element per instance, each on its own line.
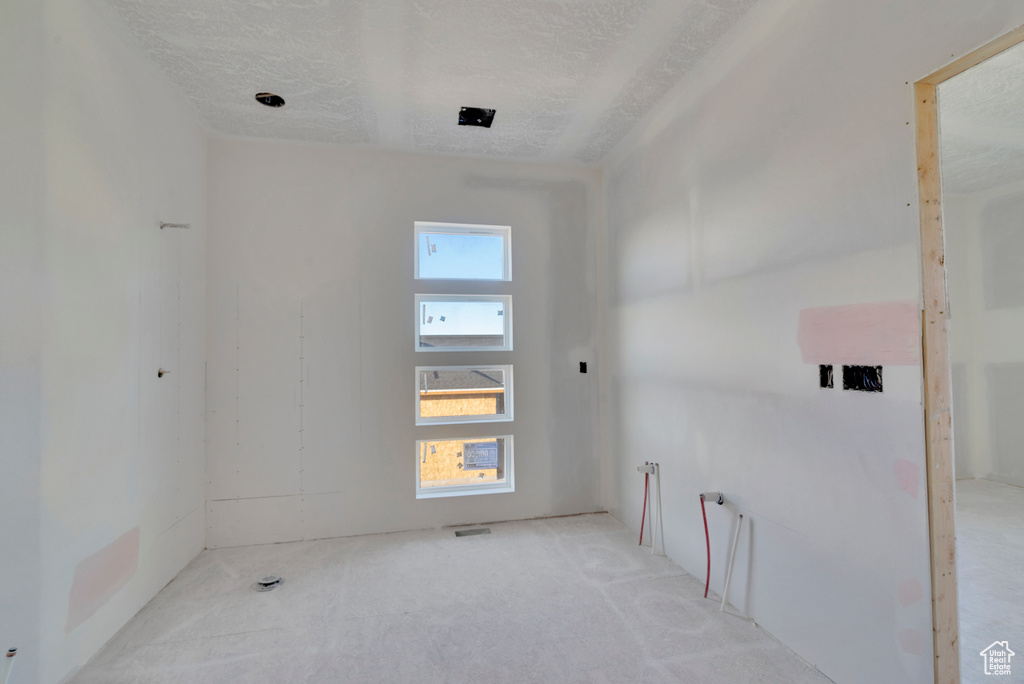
<point x="982" y="124"/>
<point x="569" y="78"/>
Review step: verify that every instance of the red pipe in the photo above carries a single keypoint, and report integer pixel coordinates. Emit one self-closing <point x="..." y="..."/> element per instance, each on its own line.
<point x="707" y="540"/>
<point x="644" y="516"/>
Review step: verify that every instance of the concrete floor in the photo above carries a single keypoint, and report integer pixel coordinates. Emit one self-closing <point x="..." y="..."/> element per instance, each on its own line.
<point x="990" y="565"/>
<point x="560" y="600"/>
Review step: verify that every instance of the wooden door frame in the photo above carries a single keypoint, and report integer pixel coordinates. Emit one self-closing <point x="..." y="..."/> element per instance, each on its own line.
<point x="935" y="359"/>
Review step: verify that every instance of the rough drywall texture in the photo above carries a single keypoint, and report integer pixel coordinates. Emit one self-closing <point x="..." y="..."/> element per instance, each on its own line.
<point x="779" y="177"/>
<point x="982" y="125"/>
<point x="311" y="386"/>
<point x="97" y="299"/>
<point x="568" y="78"/>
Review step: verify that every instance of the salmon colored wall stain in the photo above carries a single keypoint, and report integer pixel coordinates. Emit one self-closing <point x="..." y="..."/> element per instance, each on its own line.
<point x="879" y="334"/>
<point x="912" y="641"/>
<point x="100" y="576"/>
<point x="907" y="475"/>
<point x="910" y="592"/>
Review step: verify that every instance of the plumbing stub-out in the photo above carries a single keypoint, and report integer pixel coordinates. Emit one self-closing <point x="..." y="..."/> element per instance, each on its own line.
<point x="268" y="583"/>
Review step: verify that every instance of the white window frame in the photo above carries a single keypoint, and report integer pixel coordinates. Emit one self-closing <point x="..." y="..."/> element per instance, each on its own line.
<point x="506" y="300"/>
<point x="481" y="418"/>
<point x="467" y="489"/>
<point x="504" y="232"/>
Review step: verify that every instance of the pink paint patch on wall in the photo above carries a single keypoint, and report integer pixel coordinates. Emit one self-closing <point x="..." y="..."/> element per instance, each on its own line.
<point x="907" y="476"/>
<point x="912" y="641"/>
<point x="100" y="576"/>
<point x="880" y="334"/>
<point x="910" y="592"/>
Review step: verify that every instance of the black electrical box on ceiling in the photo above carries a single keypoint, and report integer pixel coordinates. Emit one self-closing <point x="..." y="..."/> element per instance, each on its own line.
<point x="474" y="116"/>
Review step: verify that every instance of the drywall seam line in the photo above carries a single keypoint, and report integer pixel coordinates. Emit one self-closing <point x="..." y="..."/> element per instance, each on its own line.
<point x="140" y="361"/>
<point x="178" y="521"/>
<point x="237" y="364"/>
<point x="177" y="360"/>
<point x="275" y="496"/>
<point x="359" y="295"/>
<point x="302" y="378"/>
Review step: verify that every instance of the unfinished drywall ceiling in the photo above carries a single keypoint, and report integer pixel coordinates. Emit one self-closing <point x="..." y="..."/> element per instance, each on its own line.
<point x="568" y="78"/>
<point x="982" y="121"/>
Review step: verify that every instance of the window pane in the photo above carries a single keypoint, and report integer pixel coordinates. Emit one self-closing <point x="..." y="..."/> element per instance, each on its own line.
<point x="451" y="323"/>
<point x="462" y="252"/>
<point x="456" y="466"/>
<point x="463" y="394"/>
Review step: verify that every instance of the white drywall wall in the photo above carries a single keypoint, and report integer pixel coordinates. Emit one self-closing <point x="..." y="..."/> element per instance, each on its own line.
<point x="22" y="184"/>
<point x="960" y="215"/>
<point x="311" y="362"/>
<point x="780" y="176"/>
<point x="985" y="250"/>
<point x="104" y="464"/>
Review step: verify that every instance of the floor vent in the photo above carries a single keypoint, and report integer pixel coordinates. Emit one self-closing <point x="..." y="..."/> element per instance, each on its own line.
<point x="471" y="533"/>
<point x="268" y="583"/>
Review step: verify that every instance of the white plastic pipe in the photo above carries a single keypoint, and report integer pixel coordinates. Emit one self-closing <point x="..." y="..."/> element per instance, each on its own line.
<point x="661" y="527"/>
<point x="650" y="515"/>
<point x="713" y="497"/>
<point x="8" y="664"/>
<point x="732" y="559"/>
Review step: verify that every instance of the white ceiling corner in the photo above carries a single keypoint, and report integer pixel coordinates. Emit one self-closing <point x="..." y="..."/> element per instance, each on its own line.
<point x="569" y="78"/>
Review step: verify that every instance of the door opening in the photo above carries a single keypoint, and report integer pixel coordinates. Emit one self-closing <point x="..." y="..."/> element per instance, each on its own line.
<point x="936" y="361"/>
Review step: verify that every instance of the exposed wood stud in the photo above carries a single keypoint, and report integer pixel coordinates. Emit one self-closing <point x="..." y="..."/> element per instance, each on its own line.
<point x="935" y="346"/>
<point x="935" y="360"/>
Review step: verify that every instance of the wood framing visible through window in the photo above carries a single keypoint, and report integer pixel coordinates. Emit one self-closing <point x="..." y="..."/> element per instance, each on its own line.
<point x="464" y="466"/>
<point x="463" y="394"/>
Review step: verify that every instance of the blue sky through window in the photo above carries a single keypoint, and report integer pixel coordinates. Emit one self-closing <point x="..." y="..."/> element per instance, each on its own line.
<point x="461" y="257"/>
<point x="462" y="318"/>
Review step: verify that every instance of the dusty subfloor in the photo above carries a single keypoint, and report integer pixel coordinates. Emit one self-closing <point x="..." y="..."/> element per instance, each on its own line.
<point x="560" y="600"/>
<point x="990" y="566"/>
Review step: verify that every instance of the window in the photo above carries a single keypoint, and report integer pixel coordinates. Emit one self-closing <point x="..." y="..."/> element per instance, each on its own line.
<point x="463" y="322"/>
<point x="457" y="251"/>
<point x="463" y="394"/>
<point x="475" y="260"/>
<point x="461" y="467"/>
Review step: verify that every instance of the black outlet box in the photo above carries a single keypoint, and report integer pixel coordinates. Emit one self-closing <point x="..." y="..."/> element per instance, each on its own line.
<point x="862" y="378"/>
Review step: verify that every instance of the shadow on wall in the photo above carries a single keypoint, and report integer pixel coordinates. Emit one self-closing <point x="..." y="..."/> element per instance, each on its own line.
<point x="1002" y="244"/>
<point x="988" y="383"/>
<point x="569" y="326"/>
<point x="1006" y="405"/>
<point x="21" y="557"/>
